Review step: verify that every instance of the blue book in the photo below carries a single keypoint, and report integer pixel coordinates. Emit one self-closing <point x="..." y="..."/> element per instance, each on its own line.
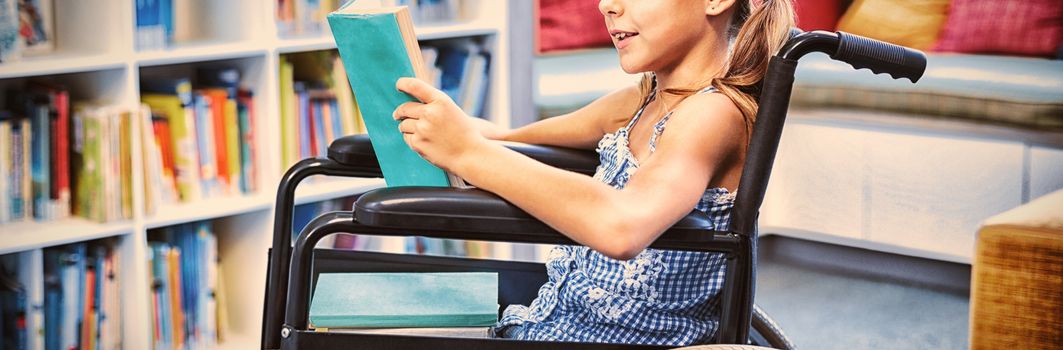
<point x="208" y="170"/>
<point x="319" y="128"/>
<point x="409" y="300"/>
<point x="377" y="47"/>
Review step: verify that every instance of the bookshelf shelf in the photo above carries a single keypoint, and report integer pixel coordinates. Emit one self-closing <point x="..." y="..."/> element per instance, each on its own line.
<point x="455" y="30"/>
<point x="200" y="51"/>
<point x="60" y="64"/>
<point x="28" y="235"/>
<point x="210" y="208"/>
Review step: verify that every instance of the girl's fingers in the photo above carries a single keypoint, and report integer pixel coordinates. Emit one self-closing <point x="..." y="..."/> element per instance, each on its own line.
<point x="408" y="110"/>
<point x="419" y="89"/>
<point x="408" y="126"/>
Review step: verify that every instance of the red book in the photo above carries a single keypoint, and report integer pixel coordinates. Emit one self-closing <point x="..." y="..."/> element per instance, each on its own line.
<point x="162" y="138"/>
<point x="313" y="135"/>
<point x="88" y="322"/>
<point x="61" y="98"/>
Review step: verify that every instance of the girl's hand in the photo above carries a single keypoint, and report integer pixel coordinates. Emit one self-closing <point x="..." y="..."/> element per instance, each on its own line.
<point x="435" y="128"/>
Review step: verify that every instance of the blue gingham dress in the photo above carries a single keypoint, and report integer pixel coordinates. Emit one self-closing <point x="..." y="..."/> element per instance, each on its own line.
<point x="659" y="297"/>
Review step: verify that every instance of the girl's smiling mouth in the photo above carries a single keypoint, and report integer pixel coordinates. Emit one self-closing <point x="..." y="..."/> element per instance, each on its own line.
<point x="622" y="38"/>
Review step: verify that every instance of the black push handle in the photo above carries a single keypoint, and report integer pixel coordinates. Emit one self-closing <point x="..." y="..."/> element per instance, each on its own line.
<point x="880" y="57"/>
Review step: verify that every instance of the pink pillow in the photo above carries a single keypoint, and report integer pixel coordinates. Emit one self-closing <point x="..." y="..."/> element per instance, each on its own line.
<point x="570" y="24"/>
<point x="1021" y="27"/>
<point x="817" y="14"/>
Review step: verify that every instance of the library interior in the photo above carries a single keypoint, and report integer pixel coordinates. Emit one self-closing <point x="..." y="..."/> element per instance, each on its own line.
<point x="145" y="146"/>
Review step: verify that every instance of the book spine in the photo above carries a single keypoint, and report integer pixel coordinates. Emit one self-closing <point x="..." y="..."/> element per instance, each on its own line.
<point x="247" y="143"/>
<point x="62" y="105"/>
<point x="5" y="170"/>
<point x="205" y="135"/>
<point x="218" y="100"/>
<point x="125" y="161"/>
<point x="232" y="145"/>
<point x="41" y="162"/>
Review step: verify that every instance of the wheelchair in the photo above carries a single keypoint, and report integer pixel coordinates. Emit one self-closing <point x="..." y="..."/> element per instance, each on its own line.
<point x="473" y="214"/>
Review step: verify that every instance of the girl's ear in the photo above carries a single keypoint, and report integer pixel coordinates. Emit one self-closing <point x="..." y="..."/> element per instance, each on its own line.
<point x="716" y="7"/>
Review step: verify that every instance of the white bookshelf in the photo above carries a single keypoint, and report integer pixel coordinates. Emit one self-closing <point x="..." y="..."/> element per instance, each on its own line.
<point x="97" y="59"/>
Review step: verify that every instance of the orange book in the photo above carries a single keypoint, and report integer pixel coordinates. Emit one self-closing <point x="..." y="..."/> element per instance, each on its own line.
<point x="218" y="98"/>
<point x="88" y="323"/>
<point x="175" y="298"/>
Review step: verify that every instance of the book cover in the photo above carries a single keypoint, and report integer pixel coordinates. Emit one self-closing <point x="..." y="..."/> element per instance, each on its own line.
<point x="377" y="47"/>
<point x="376" y="300"/>
<point x="36" y="26"/>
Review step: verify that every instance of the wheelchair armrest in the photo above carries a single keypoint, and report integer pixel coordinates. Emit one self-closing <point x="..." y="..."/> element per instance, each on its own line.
<point x="480" y="215"/>
<point x="357" y="151"/>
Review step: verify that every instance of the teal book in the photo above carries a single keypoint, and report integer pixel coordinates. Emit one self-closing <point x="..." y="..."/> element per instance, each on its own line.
<point x="377" y="47"/>
<point x="408" y="300"/>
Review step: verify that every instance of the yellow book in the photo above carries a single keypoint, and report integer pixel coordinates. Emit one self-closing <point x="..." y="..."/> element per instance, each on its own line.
<point x="346" y="101"/>
<point x="182" y="130"/>
<point x="232" y="146"/>
<point x="289" y="128"/>
<point x="125" y="160"/>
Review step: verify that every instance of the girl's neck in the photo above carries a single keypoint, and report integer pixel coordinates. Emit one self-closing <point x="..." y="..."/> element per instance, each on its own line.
<point x="705" y="62"/>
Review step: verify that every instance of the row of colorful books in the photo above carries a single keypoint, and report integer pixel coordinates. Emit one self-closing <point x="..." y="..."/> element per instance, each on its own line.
<point x="461" y="68"/>
<point x="307" y="17"/>
<point x="187" y="303"/>
<point x="70" y="300"/>
<point x="317" y="105"/>
<point x="26" y="28"/>
<point x="56" y="160"/>
<point x="203" y="137"/>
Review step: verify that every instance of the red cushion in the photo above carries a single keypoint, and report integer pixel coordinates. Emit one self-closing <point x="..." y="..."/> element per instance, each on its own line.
<point x="817" y="14"/>
<point x="1021" y="27"/>
<point x="570" y="24"/>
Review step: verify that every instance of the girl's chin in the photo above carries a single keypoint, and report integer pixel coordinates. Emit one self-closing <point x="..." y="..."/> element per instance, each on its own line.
<point x="629" y="65"/>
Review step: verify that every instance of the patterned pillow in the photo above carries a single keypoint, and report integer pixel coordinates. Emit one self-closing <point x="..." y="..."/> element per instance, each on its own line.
<point x="1023" y="27"/>
<point x="912" y="23"/>
<point x="570" y="24"/>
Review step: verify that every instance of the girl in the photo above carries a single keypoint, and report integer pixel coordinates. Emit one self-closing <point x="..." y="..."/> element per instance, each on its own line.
<point x="673" y="143"/>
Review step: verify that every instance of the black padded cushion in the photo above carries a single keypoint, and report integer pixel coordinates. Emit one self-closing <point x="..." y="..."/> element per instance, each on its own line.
<point x="357" y="151"/>
<point x="475" y="210"/>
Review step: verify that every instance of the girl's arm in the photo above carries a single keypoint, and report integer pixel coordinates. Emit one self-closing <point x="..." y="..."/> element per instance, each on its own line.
<point x="579" y="129"/>
<point x="617" y="223"/>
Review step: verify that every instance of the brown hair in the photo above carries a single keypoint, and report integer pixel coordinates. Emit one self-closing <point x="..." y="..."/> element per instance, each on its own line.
<point x="758" y="33"/>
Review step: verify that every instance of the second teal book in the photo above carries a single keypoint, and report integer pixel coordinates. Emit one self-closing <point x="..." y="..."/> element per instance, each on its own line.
<point x="409" y="300"/>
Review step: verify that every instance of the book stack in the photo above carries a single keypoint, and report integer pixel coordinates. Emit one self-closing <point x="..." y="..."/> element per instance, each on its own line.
<point x="307" y="17"/>
<point x="202" y="140"/>
<point x="26" y="28"/>
<point x="187" y="309"/>
<point x="73" y="303"/>
<point x="56" y="160"/>
<point x="317" y="105"/>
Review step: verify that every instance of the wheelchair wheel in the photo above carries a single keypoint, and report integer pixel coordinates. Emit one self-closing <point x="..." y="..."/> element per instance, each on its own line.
<point x="763" y="331"/>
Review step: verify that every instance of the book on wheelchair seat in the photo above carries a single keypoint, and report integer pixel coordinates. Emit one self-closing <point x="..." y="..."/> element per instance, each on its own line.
<point x="373" y="300"/>
<point x="377" y="47"/>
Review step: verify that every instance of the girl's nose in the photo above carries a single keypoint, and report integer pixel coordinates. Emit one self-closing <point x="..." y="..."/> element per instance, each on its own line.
<point x="610" y="8"/>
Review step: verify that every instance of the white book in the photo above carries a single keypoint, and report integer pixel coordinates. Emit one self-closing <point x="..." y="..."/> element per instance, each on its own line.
<point x="31" y="277"/>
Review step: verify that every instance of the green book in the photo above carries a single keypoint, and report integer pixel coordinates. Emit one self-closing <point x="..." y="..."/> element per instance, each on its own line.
<point x="409" y="300"/>
<point x="377" y="47"/>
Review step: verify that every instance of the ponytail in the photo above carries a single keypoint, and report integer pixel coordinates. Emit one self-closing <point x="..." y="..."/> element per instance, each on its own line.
<point x="757" y="34"/>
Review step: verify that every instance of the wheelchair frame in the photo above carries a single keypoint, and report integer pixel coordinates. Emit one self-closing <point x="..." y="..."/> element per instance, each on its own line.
<point x="290" y="273"/>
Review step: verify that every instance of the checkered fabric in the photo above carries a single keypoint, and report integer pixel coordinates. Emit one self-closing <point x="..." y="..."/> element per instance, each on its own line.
<point x="660" y="297"/>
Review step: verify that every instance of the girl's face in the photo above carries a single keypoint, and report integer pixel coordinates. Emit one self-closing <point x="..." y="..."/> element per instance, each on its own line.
<point x="656" y="35"/>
